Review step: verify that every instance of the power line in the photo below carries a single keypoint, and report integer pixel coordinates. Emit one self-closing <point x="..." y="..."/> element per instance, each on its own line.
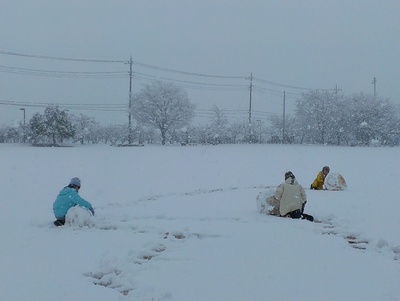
<point x="204" y="84"/>
<point x="115" y="74"/>
<point x="259" y="90"/>
<point x="279" y="84"/>
<point x="286" y="86"/>
<point x="85" y="107"/>
<point x="122" y="74"/>
<point x="70" y="74"/>
<point x="48" y="57"/>
<point x="185" y="72"/>
<point x="59" y="58"/>
<point x="216" y="86"/>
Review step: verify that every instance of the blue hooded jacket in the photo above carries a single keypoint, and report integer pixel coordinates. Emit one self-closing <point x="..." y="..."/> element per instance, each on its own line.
<point x="67" y="198"/>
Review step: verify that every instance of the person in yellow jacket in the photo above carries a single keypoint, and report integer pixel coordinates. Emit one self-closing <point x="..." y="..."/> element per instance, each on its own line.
<point x="319" y="181"/>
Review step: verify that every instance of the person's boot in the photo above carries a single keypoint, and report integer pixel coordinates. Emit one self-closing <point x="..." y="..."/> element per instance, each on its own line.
<point x="307" y="217"/>
<point x="59" y="222"/>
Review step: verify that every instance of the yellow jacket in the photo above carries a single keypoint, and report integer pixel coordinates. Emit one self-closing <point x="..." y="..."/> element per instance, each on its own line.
<point x="319" y="181"/>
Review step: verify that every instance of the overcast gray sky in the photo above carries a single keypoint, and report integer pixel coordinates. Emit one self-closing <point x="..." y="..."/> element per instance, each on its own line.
<point x="58" y="52"/>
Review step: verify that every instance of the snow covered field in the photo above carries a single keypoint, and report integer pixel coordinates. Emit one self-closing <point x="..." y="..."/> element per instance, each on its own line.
<point x="180" y="223"/>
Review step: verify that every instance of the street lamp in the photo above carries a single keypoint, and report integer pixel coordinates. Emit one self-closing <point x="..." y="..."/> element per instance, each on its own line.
<point x="23" y="109"/>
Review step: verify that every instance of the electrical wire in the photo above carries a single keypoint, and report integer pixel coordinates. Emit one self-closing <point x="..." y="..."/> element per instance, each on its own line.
<point x="86" y="107"/>
<point x="216" y="83"/>
<point x="71" y="74"/>
<point x="59" y="58"/>
<point x="121" y="74"/>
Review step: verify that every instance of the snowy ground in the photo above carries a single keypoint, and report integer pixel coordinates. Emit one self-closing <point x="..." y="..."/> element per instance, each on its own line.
<point x="180" y="223"/>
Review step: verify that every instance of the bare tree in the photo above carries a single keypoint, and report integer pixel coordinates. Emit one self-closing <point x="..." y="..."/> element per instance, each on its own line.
<point x="276" y="129"/>
<point x="164" y="106"/>
<point x="219" y="126"/>
<point x="325" y="117"/>
<point x="373" y="118"/>
<point x="115" y="134"/>
<point x="86" y="128"/>
<point x="315" y="112"/>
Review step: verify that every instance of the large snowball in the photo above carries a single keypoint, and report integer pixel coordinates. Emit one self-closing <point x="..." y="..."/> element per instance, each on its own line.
<point x="79" y="216"/>
<point x="335" y="181"/>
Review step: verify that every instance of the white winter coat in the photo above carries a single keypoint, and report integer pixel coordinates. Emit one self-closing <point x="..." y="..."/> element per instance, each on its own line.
<point x="291" y="196"/>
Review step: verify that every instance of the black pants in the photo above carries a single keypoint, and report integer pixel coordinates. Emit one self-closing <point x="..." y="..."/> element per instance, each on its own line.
<point x="299" y="214"/>
<point x="295" y="214"/>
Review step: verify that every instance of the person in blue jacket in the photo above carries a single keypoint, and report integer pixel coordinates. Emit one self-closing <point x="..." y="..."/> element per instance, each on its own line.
<point x="67" y="198"/>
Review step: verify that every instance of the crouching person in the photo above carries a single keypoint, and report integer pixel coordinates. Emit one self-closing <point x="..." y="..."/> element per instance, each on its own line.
<point x="67" y="198"/>
<point x="319" y="182"/>
<point x="292" y="198"/>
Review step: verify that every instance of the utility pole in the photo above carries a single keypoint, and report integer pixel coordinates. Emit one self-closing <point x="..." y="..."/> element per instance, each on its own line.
<point x="251" y="88"/>
<point x="284" y="117"/>
<point x="23" y="109"/>
<point x="374" y="83"/>
<point x="130" y="102"/>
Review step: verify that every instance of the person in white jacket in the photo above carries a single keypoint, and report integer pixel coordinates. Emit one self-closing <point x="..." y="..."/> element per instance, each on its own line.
<point x="291" y="197"/>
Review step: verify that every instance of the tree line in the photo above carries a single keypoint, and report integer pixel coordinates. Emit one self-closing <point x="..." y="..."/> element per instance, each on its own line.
<point x="163" y="114"/>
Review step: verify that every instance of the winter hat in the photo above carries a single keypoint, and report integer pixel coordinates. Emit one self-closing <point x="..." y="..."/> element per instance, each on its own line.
<point x="289" y="174"/>
<point x="75" y="181"/>
<point x="326" y="168"/>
